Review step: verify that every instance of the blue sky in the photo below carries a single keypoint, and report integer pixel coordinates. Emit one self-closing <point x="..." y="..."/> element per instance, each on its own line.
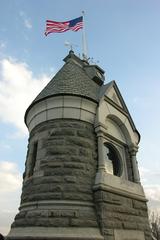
<point x="123" y="38"/>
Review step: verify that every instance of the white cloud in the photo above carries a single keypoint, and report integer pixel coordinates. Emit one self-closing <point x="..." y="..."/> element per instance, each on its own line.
<point x="18" y="88"/>
<point x="153" y="195"/>
<point x="2" y="45"/>
<point x="153" y="192"/>
<point x="10" y="178"/>
<point x="27" y="23"/>
<point x="151" y="186"/>
<point x="145" y="172"/>
<point x="26" y="20"/>
<point x="10" y="188"/>
<point x="7" y="217"/>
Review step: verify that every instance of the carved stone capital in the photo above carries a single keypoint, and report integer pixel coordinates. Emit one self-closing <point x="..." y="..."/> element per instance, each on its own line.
<point x="133" y="149"/>
<point x="100" y="129"/>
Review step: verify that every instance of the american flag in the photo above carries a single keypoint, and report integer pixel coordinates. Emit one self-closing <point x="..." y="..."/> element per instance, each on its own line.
<point x="59" y="27"/>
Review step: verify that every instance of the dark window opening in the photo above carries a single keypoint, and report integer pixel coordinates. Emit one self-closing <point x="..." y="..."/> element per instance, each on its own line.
<point x="113" y="162"/>
<point x="33" y="159"/>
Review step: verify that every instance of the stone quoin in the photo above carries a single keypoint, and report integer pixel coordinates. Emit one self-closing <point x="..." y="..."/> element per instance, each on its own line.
<point x="81" y="178"/>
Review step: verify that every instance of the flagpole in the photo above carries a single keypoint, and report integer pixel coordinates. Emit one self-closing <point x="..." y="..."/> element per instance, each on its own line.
<point x="84" y="39"/>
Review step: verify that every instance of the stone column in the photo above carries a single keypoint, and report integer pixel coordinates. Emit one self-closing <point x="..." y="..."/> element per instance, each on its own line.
<point x="101" y="153"/>
<point x="101" y="156"/>
<point x="133" y="152"/>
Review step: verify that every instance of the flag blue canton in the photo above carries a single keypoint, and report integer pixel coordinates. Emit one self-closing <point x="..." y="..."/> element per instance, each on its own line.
<point x="75" y="21"/>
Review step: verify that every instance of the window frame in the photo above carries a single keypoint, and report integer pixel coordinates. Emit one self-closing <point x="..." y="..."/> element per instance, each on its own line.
<point x="114" y="150"/>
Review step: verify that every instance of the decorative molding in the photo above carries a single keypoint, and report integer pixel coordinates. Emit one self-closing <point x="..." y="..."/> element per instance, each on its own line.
<point x="107" y="99"/>
<point x="58" y="203"/>
<point x="60" y="107"/>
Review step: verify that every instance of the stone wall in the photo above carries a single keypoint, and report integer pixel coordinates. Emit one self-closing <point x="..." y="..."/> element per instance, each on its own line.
<point x="57" y="188"/>
<point x="119" y="212"/>
<point x="58" y="185"/>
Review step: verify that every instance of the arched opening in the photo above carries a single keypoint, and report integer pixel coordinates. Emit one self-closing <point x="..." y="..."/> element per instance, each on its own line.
<point x="113" y="160"/>
<point x="118" y="129"/>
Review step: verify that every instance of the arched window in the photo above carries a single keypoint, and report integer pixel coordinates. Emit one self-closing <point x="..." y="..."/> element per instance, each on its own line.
<point x="113" y="160"/>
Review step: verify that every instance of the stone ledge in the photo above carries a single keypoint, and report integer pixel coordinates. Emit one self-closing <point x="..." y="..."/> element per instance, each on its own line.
<point x="55" y="233"/>
<point x="51" y="203"/>
<point x="108" y="182"/>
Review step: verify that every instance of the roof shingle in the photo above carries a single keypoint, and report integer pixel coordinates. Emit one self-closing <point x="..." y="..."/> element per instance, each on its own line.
<point x="71" y="79"/>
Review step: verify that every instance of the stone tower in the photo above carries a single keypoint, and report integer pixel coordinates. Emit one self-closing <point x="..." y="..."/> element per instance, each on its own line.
<point x="81" y="179"/>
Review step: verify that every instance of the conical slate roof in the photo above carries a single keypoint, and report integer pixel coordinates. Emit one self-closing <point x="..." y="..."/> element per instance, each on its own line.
<point x="78" y="77"/>
<point x="71" y="79"/>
